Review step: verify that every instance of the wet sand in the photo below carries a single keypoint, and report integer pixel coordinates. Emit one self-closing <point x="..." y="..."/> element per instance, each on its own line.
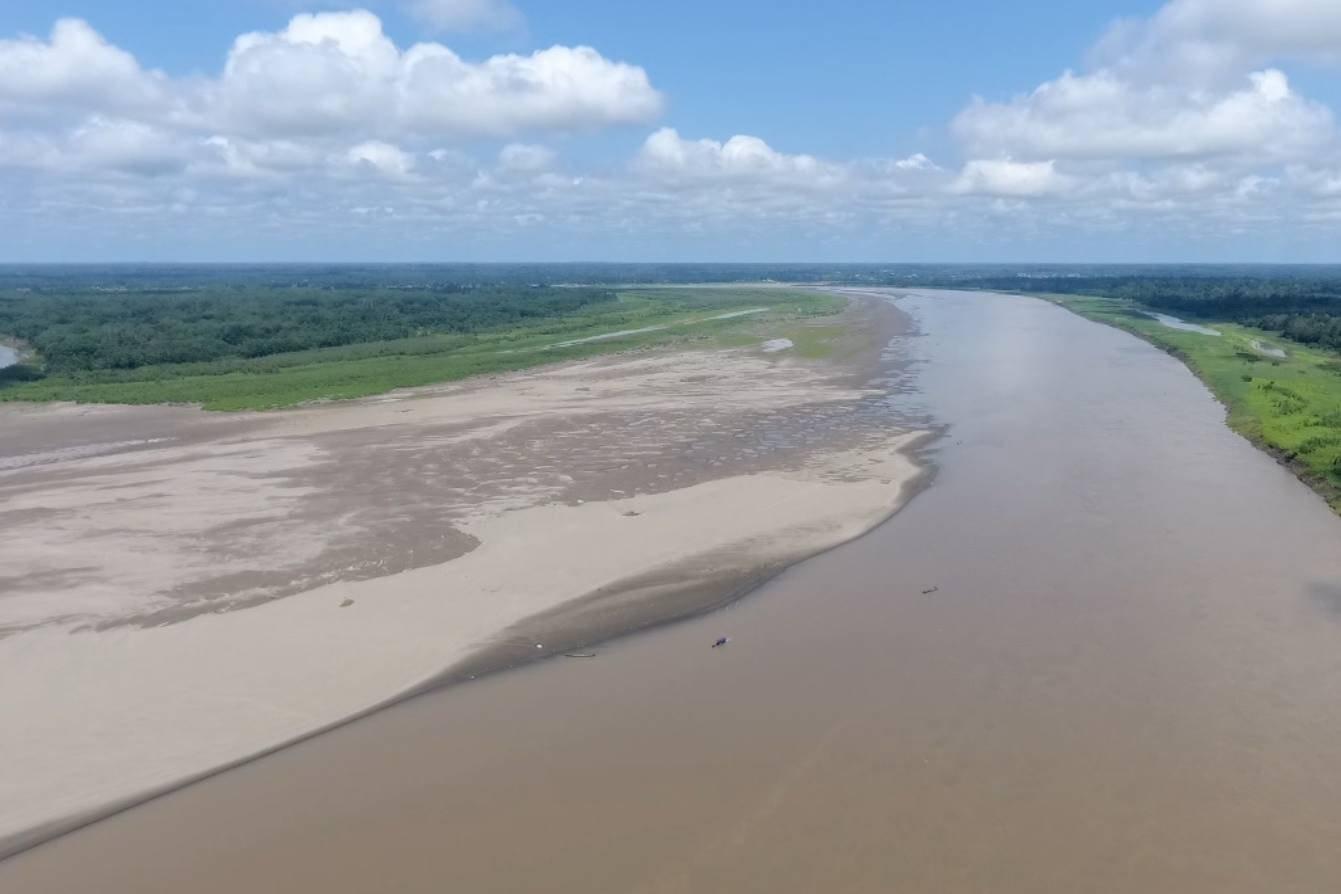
<point x="193" y="589"/>
<point x="1124" y="680"/>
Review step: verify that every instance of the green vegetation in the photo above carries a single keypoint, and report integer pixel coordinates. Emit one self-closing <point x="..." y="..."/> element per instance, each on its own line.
<point x="816" y="341"/>
<point x="259" y="337"/>
<point x="513" y="329"/>
<point x="85" y="331"/>
<point x="1302" y="307"/>
<point x="812" y="339"/>
<point x="1289" y="406"/>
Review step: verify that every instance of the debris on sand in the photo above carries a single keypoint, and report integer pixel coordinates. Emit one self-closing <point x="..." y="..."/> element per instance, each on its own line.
<point x="579" y="654"/>
<point x="932" y="590"/>
<point x="347" y="603"/>
<point x="721" y="641"/>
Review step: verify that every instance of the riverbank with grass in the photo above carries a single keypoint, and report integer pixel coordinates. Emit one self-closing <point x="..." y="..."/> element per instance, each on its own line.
<point x="636" y="318"/>
<point x="1282" y="396"/>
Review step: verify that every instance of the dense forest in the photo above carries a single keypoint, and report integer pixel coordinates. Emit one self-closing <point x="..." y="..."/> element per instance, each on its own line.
<point x="1303" y="305"/>
<point x="83" y="329"/>
<point x="114" y="317"/>
<point x="178" y="277"/>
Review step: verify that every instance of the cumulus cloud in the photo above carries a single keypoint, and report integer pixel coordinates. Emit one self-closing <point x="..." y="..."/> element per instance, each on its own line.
<point x="339" y="71"/>
<point x="1187" y="120"/>
<point x="560" y="88"/>
<point x="1198" y="79"/>
<point x="1104" y="115"/>
<point x="1013" y="179"/>
<point x="1207" y="36"/>
<point x="665" y="152"/>
<point x="129" y="146"/>
<point x="465" y="15"/>
<point x="77" y="68"/>
<point x="382" y="158"/>
<point x="326" y="75"/>
<point x="1188" y="114"/>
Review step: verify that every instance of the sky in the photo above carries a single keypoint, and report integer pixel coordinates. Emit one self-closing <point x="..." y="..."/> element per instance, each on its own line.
<point x="735" y="130"/>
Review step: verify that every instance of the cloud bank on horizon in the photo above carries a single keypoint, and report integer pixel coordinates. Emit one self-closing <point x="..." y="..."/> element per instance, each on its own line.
<point x="326" y="133"/>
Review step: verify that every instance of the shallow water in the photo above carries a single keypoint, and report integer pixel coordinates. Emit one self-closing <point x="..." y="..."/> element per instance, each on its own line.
<point x="1126" y="680"/>
<point x="8" y="357"/>
<point x="1182" y="325"/>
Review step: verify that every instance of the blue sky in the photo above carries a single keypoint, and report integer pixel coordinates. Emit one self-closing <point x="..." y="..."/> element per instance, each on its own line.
<point x="961" y="130"/>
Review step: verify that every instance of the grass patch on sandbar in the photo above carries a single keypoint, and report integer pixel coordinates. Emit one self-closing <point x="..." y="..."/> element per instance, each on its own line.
<point x="649" y="317"/>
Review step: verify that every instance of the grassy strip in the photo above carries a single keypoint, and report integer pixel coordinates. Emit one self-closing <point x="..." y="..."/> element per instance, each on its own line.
<point x="1290" y="407"/>
<point x="364" y="369"/>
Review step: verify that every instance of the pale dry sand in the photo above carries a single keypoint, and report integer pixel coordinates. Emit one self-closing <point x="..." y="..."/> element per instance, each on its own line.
<point x="180" y="591"/>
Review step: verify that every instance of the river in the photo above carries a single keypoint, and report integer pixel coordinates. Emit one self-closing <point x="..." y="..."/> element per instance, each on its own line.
<point x="1124" y="679"/>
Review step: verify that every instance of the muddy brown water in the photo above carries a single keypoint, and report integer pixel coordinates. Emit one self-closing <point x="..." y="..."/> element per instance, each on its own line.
<point x="1127" y="679"/>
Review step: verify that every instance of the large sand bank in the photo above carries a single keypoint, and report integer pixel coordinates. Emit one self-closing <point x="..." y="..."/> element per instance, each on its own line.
<point x="180" y="591"/>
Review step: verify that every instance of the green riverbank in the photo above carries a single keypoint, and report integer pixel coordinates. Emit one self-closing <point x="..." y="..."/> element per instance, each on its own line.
<point x="1289" y="406"/>
<point x="641" y="318"/>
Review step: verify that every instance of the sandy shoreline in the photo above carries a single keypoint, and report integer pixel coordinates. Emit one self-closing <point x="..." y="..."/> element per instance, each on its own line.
<point x="194" y="590"/>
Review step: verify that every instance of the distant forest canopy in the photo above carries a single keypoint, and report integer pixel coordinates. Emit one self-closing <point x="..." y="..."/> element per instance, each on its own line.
<point x="178" y="277"/>
<point x="1302" y="304"/>
<point x="107" y="317"/>
<point x="94" y="328"/>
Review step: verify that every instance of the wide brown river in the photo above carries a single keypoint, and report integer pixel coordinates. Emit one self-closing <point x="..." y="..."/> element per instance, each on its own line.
<point x="1128" y="679"/>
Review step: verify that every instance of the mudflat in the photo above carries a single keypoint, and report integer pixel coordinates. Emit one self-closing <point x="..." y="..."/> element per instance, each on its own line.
<point x="193" y="589"/>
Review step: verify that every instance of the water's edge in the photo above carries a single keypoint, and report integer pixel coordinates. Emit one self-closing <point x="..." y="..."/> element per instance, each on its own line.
<point x="1324" y="489"/>
<point x="567" y="628"/>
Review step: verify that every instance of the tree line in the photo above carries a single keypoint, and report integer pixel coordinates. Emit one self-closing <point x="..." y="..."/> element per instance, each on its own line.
<point x="86" y="330"/>
<point x="1302" y="308"/>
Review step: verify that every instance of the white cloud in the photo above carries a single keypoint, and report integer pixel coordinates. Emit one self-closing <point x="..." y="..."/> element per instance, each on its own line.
<point x="1250" y="31"/>
<point x="521" y="158"/>
<point x="1197" y="80"/>
<point x="325" y="110"/>
<point x="130" y="147"/>
<point x="1010" y="179"/>
<point x="323" y="73"/>
<point x="1104" y="115"/>
<point x="1188" y="115"/>
<point x="327" y="75"/>
<point x="338" y="71"/>
<point x="741" y="157"/>
<point x="103" y="144"/>
<point x="268" y="159"/>
<point x="561" y="88"/>
<point x="382" y="158"/>
<point x="465" y="15"/>
<point x="74" y="67"/>
<point x="1187" y="120"/>
<point x="915" y="162"/>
